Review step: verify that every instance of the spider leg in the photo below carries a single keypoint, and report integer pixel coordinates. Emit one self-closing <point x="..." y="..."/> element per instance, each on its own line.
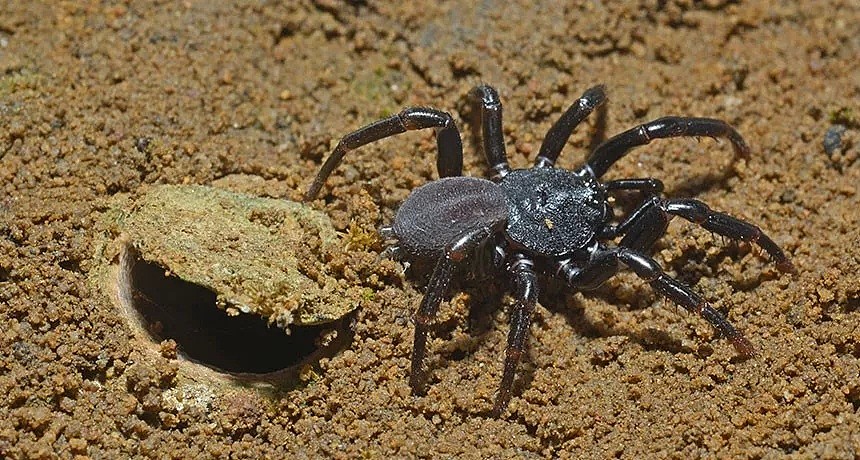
<point x="437" y="288"/>
<point x="560" y="132"/>
<point x="392" y="249"/>
<point x="649" y="270"/>
<point x="526" y="294"/>
<point x="648" y="223"/>
<point x="387" y="232"/>
<point x="604" y="264"/>
<point x="449" y="145"/>
<point x="493" y="141"/>
<point x="601" y="266"/>
<point x="390" y="252"/>
<point x="647" y="185"/>
<point x="607" y="153"/>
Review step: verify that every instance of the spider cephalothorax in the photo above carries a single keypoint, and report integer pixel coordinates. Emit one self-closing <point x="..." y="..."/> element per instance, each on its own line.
<point x="543" y="220"/>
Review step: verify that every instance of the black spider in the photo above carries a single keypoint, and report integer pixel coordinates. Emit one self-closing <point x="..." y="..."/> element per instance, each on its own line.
<point x="543" y="220"/>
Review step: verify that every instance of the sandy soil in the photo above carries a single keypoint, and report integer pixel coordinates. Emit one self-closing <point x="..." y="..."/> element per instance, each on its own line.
<point x="99" y="98"/>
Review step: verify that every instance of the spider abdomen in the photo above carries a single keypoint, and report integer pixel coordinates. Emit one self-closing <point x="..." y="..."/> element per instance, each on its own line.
<point x="553" y="212"/>
<point x="437" y="213"/>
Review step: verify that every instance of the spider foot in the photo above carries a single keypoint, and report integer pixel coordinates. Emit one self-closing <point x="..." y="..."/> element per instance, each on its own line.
<point x="417" y="374"/>
<point x="784" y="265"/>
<point x="417" y="380"/>
<point x="512" y="360"/>
<point x="743" y="346"/>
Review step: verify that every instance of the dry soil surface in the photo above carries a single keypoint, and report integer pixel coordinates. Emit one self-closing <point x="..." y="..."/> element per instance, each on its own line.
<point x="101" y="98"/>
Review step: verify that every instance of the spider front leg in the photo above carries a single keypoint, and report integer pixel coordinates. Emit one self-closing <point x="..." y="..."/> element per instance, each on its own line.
<point x="437" y="288"/>
<point x="607" y="153"/>
<point x="650" y="220"/>
<point x="449" y="145"/>
<point x="525" y="280"/>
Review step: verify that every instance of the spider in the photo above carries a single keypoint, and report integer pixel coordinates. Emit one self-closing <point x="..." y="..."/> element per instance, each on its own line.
<point x="542" y="220"/>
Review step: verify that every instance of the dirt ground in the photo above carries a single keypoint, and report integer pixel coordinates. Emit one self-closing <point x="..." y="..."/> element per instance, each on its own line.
<point x="101" y="98"/>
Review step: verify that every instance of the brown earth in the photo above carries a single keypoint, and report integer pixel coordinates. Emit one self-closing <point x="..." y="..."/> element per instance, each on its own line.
<point x="98" y="99"/>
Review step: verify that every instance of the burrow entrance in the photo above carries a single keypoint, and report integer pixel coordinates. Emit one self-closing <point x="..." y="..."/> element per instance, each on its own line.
<point x="171" y="308"/>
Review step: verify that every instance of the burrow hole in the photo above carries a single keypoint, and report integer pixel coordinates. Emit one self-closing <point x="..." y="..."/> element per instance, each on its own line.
<point x="171" y="308"/>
